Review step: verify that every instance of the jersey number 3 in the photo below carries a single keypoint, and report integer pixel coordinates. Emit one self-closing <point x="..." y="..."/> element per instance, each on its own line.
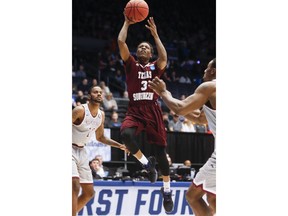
<point x="144" y="85"/>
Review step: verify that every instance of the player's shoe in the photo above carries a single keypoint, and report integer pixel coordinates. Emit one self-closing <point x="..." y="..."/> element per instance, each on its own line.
<point x="151" y="170"/>
<point x="167" y="200"/>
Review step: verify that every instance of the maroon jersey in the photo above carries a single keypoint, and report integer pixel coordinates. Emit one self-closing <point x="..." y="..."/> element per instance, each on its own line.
<point x="137" y="77"/>
<point x="144" y="111"/>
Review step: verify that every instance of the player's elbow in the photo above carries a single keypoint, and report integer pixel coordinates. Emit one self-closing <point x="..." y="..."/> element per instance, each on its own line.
<point x="163" y="58"/>
<point x="101" y="139"/>
<point x="180" y="110"/>
<point x="120" y="41"/>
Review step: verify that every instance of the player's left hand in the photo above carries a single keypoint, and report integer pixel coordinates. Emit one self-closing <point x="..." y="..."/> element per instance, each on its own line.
<point x="152" y="27"/>
<point x="157" y="85"/>
<point x="123" y="147"/>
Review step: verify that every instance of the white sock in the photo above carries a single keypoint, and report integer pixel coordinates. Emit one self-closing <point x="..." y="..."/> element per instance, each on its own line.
<point x="143" y="160"/>
<point x="166" y="186"/>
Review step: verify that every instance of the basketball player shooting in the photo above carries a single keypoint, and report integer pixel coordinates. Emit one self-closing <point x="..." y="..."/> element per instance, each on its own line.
<point x="144" y="112"/>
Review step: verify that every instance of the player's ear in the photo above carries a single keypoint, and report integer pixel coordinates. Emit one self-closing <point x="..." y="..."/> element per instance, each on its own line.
<point x="213" y="71"/>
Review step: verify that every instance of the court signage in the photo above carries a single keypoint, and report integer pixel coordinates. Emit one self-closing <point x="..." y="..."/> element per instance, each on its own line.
<point x="135" y="198"/>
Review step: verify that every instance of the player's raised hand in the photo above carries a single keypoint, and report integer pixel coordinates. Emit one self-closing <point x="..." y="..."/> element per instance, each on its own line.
<point x="152" y="27"/>
<point x="129" y="22"/>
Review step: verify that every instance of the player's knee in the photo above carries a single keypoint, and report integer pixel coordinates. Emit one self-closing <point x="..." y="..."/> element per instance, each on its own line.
<point x="91" y="194"/>
<point x="190" y="196"/>
<point x="211" y="199"/>
<point x="126" y="136"/>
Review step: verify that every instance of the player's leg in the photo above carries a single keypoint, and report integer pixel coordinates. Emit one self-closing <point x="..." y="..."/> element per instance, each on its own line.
<point x="163" y="165"/>
<point x="194" y="198"/>
<point x="86" y="194"/>
<point x="75" y="193"/>
<point x="129" y="139"/>
<point x="203" y="183"/>
<point x="85" y="179"/>
<point x="211" y="198"/>
<point x="75" y="180"/>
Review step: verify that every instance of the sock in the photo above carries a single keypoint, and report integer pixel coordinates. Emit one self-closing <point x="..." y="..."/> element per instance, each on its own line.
<point x="166" y="186"/>
<point x="143" y="160"/>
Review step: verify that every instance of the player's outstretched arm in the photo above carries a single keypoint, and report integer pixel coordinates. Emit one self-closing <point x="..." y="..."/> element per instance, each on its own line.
<point x="197" y="116"/>
<point x="124" y="50"/>
<point x="162" y="54"/>
<point x="101" y="138"/>
<point x="180" y="107"/>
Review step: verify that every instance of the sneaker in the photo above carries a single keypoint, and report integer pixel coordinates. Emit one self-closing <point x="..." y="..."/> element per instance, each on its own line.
<point x="167" y="200"/>
<point x="151" y="170"/>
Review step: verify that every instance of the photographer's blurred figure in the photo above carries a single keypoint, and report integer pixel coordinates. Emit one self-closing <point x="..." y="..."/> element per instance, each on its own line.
<point x="187" y="163"/>
<point x="175" y="124"/>
<point x="96" y="169"/>
<point x="106" y="169"/>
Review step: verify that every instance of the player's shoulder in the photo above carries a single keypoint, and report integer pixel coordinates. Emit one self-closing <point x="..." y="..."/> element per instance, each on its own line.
<point x="78" y="109"/>
<point x="102" y="112"/>
<point x="130" y="59"/>
<point x="208" y="85"/>
<point x="211" y="84"/>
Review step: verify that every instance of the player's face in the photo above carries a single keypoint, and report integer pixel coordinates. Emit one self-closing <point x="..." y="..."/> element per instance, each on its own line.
<point x="207" y="72"/>
<point x="144" y="50"/>
<point x="96" y="95"/>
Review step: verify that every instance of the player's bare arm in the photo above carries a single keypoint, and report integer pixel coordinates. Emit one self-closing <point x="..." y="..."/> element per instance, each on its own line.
<point x="124" y="50"/>
<point x="181" y="107"/>
<point x="162" y="54"/>
<point x="78" y="115"/>
<point x="101" y="138"/>
<point x="197" y="116"/>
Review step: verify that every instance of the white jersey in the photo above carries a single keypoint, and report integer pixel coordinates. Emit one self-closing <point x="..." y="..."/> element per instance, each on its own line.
<point x="207" y="174"/>
<point x="211" y="118"/>
<point x="81" y="134"/>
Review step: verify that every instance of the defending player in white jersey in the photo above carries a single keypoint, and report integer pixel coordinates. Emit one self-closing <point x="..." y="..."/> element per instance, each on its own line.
<point x="86" y="120"/>
<point x="203" y="97"/>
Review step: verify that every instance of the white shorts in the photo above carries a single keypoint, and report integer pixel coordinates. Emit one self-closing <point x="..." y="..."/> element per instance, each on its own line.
<point x="207" y="175"/>
<point x="80" y="165"/>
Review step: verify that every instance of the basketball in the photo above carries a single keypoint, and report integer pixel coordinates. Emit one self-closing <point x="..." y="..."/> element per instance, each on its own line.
<point x="136" y="10"/>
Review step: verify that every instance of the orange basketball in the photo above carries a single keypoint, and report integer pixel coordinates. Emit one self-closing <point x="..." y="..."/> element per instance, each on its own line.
<point x="136" y="10"/>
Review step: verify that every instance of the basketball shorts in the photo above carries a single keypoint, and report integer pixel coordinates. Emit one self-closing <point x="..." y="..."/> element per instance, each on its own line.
<point x="207" y="175"/>
<point x="80" y="165"/>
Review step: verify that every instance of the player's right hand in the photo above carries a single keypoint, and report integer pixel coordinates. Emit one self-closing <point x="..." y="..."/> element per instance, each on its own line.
<point x="157" y="85"/>
<point x="127" y="20"/>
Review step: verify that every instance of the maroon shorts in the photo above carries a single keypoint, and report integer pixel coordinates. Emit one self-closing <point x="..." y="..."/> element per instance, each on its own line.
<point x="146" y="117"/>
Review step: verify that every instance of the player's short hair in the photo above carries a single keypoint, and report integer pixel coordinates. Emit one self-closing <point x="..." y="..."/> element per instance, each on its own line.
<point x="90" y="89"/>
<point x="214" y="63"/>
